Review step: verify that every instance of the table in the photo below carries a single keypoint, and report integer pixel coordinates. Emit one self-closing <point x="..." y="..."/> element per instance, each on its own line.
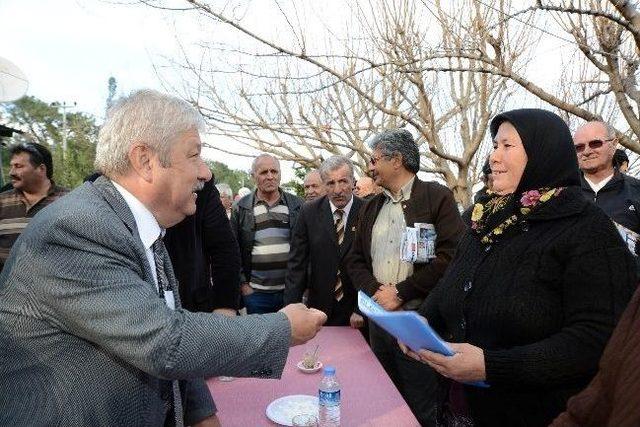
<point x="369" y="398"/>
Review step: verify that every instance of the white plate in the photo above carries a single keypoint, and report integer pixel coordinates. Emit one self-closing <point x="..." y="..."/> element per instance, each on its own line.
<point x="283" y="410"/>
<point x="316" y="368"/>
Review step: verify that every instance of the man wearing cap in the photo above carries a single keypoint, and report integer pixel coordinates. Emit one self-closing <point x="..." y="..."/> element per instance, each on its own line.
<point x="31" y="172"/>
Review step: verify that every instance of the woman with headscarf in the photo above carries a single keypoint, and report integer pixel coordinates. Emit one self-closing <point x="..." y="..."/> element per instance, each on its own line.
<point x="536" y="285"/>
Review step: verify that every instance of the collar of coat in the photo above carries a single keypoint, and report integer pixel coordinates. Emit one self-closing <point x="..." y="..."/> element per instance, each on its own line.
<point x="569" y="202"/>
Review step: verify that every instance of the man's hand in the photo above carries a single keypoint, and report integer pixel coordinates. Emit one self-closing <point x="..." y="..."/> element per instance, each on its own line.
<point x="387" y="297"/>
<point x="245" y="289"/>
<point x="356" y="321"/>
<point x="229" y="312"/>
<point x="305" y="322"/>
<point x="211" y="421"/>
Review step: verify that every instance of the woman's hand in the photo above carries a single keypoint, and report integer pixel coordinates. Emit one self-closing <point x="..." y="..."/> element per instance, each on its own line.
<point x="467" y="365"/>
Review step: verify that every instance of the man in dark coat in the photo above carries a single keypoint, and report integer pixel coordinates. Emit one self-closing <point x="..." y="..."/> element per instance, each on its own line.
<point x="321" y="239"/>
<point x="374" y="262"/>
<point x="262" y="222"/>
<point x="617" y="194"/>
<point x="205" y="256"/>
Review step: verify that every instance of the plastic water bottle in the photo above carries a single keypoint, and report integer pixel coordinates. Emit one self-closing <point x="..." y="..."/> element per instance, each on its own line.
<point x="329" y="399"/>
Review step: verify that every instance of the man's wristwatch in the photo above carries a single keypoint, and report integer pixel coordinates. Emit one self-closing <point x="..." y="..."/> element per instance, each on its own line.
<point x="397" y="294"/>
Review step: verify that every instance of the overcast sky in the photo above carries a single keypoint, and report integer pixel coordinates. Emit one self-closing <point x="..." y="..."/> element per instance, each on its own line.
<point x="69" y="48"/>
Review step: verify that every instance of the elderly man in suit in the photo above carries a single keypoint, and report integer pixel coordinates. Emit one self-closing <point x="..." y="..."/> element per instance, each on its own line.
<point x="91" y="328"/>
<point x="321" y="239"/>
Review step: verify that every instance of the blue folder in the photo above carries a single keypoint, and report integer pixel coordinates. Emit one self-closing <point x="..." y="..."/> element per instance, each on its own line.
<point x="408" y="327"/>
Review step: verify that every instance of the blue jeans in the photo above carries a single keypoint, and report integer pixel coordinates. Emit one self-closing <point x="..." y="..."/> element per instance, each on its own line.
<point x="263" y="302"/>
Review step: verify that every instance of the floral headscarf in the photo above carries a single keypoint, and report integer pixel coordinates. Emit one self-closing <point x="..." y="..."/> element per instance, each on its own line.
<point x="529" y="201"/>
<point x="552" y="165"/>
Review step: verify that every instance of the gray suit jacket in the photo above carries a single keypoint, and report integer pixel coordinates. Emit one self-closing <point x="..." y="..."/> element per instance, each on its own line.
<point x="85" y="339"/>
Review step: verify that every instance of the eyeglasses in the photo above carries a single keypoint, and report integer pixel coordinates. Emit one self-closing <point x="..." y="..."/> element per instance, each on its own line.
<point x="593" y="144"/>
<point x="374" y="160"/>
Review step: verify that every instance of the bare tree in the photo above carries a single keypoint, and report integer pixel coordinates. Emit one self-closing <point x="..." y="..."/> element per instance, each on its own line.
<point x="301" y="101"/>
<point x="599" y="78"/>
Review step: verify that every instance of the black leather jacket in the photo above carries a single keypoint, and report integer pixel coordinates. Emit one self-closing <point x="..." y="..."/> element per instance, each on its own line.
<point x="619" y="199"/>
<point x="243" y="225"/>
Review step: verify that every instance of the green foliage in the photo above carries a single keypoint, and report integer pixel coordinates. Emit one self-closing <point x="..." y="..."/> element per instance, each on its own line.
<point x="43" y="124"/>
<point x="297" y="184"/>
<point x="235" y="178"/>
<point x="112" y="86"/>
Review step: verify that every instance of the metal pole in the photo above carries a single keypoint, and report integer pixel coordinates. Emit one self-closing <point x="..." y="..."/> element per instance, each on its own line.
<point x="1" y="168"/>
<point x="64" y="130"/>
<point x="64" y="106"/>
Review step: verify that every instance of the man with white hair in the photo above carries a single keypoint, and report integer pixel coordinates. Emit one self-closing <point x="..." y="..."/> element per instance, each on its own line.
<point x="313" y="186"/>
<point x="226" y="196"/>
<point x="617" y="194"/>
<point x="263" y="222"/>
<point x="91" y="328"/>
<point x="321" y="240"/>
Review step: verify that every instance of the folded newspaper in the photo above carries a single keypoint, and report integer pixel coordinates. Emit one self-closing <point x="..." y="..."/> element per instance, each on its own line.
<point x="408" y="327"/>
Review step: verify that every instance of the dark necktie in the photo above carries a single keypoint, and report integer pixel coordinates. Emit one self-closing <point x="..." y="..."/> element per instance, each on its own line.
<point x="160" y="257"/>
<point x="339" y="224"/>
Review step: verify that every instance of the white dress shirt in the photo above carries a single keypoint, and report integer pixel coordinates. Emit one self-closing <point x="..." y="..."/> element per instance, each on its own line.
<point x="149" y="230"/>
<point x="346" y="211"/>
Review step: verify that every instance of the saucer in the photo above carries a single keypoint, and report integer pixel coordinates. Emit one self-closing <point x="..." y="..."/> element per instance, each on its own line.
<point x="316" y="368"/>
<point x="281" y="411"/>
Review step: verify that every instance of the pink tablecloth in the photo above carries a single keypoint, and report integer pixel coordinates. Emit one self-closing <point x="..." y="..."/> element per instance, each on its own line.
<point x="369" y="398"/>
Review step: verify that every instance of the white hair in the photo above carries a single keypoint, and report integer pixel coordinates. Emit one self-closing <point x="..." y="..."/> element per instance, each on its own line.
<point x="254" y="165"/>
<point x="225" y="188"/>
<point x="146" y="116"/>
<point x="243" y="191"/>
<point x="333" y="163"/>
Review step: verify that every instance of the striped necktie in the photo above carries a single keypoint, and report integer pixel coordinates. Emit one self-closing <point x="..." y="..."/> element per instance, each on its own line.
<point x="160" y="257"/>
<point x="339" y="224"/>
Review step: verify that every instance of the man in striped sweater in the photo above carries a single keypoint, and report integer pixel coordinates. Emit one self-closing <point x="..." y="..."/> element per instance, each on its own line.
<point x="262" y="222"/>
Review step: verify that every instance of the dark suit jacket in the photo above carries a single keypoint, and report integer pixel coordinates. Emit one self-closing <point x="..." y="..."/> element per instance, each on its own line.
<point x="314" y="248"/>
<point x="205" y="255"/>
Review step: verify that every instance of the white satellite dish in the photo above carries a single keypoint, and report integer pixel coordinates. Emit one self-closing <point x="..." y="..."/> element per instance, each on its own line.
<point x="13" y="82"/>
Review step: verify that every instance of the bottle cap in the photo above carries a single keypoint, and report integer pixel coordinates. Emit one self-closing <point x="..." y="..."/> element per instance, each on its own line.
<point x="329" y="370"/>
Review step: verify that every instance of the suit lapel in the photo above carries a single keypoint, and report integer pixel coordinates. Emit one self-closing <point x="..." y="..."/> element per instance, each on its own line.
<point x="327" y="220"/>
<point x="113" y="197"/>
<point x="173" y="281"/>
<point x="349" y="230"/>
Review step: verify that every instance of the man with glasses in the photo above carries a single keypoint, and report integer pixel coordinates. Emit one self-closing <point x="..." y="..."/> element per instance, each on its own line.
<point x="617" y="194"/>
<point x="375" y="264"/>
<point x="31" y="171"/>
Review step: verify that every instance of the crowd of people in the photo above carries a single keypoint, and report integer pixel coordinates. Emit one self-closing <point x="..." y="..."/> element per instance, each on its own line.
<point x="121" y="297"/>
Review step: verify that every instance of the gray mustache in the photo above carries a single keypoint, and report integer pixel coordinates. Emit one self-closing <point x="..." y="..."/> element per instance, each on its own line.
<point x="199" y="186"/>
